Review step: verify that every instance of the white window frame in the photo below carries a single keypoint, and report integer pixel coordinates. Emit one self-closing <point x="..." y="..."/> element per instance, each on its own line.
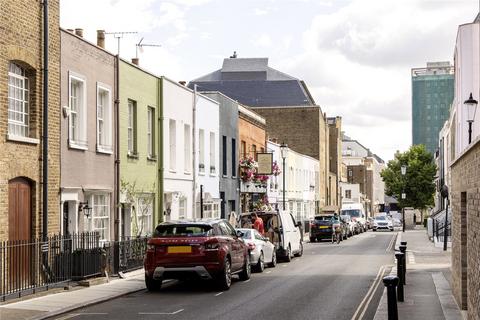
<point x="104" y="146"/>
<point x="90" y="221"/>
<point x="187" y="141"/>
<point x="80" y="142"/>
<point x="21" y="105"/>
<point x="150" y="132"/>
<point x="201" y="144"/>
<point x="147" y="216"/>
<point x="212" y="162"/>
<point x="172" y="137"/>
<point x="182" y="209"/>
<point x="131" y="129"/>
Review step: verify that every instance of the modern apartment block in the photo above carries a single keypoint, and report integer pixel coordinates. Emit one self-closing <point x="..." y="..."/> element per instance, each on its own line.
<point x="432" y="96"/>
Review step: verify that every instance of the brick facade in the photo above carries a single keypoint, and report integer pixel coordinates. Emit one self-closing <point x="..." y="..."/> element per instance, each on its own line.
<point x="21" y="42"/>
<point x="465" y="201"/>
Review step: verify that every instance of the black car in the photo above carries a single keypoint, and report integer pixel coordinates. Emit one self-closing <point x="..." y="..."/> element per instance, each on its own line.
<point x="321" y="228"/>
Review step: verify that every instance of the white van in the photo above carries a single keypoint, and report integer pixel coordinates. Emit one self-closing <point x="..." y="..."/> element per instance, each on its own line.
<point x="357" y="212"/>
<point x="282" y="230"/>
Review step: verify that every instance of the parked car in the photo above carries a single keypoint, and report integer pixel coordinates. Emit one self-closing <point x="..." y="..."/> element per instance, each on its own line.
<point x="382" y="223"/>
<point x="282" y="230"/>
<point x="357" y="212"/>
<point x="370" y="222"/>
<point x="352" y="227"/>
<point x="396" y="222"/>
<point x="261" y="250"/>
<point x="321" y="227"/>
<point x="203" y="249"/>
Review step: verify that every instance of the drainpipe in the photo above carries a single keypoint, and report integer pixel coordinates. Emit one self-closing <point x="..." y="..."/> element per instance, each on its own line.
<point x="194" y="171"/>
<point x="116" y="200"/>
<point x="45" y="123"/>
<point x="160" y="151"/>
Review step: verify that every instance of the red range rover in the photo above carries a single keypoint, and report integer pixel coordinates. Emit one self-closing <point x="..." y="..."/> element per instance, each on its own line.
<point x="204" y="249"/>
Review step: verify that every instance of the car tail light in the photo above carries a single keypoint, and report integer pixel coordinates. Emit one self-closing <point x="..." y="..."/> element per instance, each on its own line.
<point x="150" y="247"/>
<point x="212" y="245"/>
<point x="251" y="246"/>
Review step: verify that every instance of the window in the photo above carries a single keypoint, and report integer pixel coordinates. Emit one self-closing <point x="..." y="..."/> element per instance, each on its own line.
<point x="201" y="144"/>
<point x="18" y="101"/>
<point x="182" y="207"/>
<point x="144" y="215"/>
<point x="243" y="149"/>
<point x="187" y="142"/>
<point x="100" y="216"/>
<point x="151" y="132"/>
<point x="254" y="151"/>
<point x="212" y="153"/>
<point x="224" y="155"/>
<point x="104" y="120"/>
<point x="234" y="157"/>
<point x="78" y="113"/>
<point x="172" y="128"/>
<point x="132" y="128"/>
<point x="348" y="194"/>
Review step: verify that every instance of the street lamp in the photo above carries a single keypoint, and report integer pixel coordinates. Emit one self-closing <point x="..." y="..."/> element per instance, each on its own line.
<point x="283" y="153"/>
<point x="403" y="170"/>
<point x="471" y="110"/>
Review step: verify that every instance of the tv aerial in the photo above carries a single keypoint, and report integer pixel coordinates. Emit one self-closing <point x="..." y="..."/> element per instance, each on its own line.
<point x="139" y="46"/>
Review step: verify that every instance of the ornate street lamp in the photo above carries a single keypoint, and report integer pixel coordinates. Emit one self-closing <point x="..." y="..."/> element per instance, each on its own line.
<point x="403" y="170"/>
<point x="471" y="110"/>
<point x="85" y="208"/>
<point x="283" y="153"/>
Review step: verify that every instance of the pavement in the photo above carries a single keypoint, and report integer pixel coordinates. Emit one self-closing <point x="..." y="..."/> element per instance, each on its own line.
<point x="330" y="281"/>
<point x="36" y="308"/>
<point x="428" y="292"/>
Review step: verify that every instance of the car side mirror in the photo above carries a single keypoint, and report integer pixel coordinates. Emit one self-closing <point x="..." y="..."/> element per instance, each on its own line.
<point x="240" y="234"/>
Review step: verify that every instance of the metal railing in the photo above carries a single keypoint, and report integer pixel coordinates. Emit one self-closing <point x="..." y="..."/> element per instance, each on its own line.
<point x="126" y="254"/>
<point x="439" y="226"/>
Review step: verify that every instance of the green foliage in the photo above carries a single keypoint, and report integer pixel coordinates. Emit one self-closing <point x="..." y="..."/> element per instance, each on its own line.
<point x="139" y="200"/>
<point x="418" y="183"/>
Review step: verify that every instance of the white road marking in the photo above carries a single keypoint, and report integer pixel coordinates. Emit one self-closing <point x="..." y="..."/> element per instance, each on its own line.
<point x="284" y="265"/>
<point x="165" y="313"/>
<point x="218" y="294"/>
<point x="368" y="297"/>
<point x="411" y="257"/>
<point x="73" y="315"/>
<point x="268" y="271"/>
<point x="247" y="281"/>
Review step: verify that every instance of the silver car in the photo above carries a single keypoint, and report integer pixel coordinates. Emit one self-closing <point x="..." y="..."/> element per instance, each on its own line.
<point x="262" y="251"/>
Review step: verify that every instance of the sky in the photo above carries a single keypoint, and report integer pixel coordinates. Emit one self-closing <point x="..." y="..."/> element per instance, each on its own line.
<point x="355" y="56"/>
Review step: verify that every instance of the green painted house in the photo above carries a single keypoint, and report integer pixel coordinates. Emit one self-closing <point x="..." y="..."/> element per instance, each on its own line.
<point x="140" y="150"/>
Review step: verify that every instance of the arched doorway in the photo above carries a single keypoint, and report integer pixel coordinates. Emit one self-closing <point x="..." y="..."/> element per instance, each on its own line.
<point x="19" y="209"/>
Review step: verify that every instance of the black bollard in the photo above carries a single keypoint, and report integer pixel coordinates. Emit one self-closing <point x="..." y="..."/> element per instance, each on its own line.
<point x="403" y="243"/>
<point x="400" y="260"/>
<point x="403" y="249"/>
<point x="391" y="283"/>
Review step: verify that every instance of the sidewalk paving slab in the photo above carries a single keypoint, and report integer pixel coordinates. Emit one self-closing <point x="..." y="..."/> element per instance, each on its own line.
<point x="55" y="304"/>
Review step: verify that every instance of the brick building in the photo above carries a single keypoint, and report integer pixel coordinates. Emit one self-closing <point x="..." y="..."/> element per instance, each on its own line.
<point x="21" y="123"/>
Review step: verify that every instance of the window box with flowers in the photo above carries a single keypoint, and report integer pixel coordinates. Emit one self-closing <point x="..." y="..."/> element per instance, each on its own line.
<point x="248" y="167"/>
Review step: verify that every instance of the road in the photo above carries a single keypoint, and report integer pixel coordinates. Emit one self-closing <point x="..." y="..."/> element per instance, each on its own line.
<point x="330" y="281"/>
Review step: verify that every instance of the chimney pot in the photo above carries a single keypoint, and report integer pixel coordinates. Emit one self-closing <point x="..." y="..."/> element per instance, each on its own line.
<point x="183" y="83"/>
<point x="101" y="38"/>
<point x="135" y="61"/>
<point x="71" y="30"/>
<point x="79" y="32"/>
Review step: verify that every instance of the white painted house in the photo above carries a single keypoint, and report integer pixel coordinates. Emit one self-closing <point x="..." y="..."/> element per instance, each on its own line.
<point x="207" y="163"/>
<point x="178" y="173"/>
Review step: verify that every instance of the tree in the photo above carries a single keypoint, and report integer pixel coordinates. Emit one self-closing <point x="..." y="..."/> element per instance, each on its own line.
<point x="140" y="201"/>
<point x="419" y="181"/>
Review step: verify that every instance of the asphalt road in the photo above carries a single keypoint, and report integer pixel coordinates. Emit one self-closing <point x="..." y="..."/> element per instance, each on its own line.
<point x="330" y="281"/>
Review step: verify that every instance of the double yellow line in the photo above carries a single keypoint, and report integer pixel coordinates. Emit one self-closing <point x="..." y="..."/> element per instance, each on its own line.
<point x="362" y="308"/>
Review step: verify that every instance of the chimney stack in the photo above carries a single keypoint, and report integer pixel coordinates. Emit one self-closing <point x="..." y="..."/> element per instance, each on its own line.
<point x="101" y="38"/>
<point x="183" y="83"/>
<point x="135" y="61"/>
<point x="79" y="32"/>
<point x="71" y="30"/>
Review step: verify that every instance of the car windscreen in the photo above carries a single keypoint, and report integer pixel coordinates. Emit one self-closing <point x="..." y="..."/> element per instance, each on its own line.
<point x="382" y="218"/>
<point x="345" y="217"/>
<point x="323" y="218"/>
<point x="351" y="212"/>
<point x="182" y="230"/>
<point x="247" y="234"/>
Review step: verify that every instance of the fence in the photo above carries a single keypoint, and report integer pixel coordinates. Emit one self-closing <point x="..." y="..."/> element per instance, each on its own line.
<point x="439" y="226"/>
<point x="126" y="254"/>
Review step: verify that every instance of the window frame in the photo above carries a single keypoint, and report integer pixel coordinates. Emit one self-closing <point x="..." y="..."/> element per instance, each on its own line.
<point x="187" y="156"/>
<point x="151" y="151"/>
<point x="91" y="220"/>
<point x="224" y="156"/>
<point x="212" y="149"/>
<point x="234" y="158"/>
<point x="172" y="144"/>
<point x="106" y="147"/>
<point x="82" y="114"/>
<point x="25" y="103"/>
<point x="132" y="151"/>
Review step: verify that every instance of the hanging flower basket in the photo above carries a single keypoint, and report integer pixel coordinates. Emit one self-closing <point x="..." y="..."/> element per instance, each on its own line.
<point x="248" y="167"/>
<point x="276" y="169"/>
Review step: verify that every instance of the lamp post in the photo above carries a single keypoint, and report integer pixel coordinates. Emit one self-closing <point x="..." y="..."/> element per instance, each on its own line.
<point x="403" y="170"/>
<point x="283" y="153"/>
<point x="471" y="110"/>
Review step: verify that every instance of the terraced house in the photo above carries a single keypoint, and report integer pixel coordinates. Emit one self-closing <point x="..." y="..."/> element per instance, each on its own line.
<point x="22" y="103"/>
<point x="87" y="140"/>
<point x="139" y="148"/>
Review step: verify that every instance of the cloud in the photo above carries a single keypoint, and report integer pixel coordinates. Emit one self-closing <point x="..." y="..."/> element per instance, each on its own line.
<point x="262" y="40"/>
<point x="260" y="12"/>
<point x="356" y="61"/>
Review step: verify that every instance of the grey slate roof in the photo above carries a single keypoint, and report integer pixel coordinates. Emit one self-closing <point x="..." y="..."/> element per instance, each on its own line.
<point x="252" y="82"/>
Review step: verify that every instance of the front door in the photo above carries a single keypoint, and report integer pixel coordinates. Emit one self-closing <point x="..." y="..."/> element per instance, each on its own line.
<point x="19" y="232"/>
<point x="66" y="219"/>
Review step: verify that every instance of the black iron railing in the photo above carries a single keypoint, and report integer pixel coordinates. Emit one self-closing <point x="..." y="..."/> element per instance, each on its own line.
<point x="439" y="226"/>
<point x="126" y="254"/>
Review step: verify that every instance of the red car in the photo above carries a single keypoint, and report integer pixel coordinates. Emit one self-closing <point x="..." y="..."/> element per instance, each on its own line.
<point x="204" y="249"/>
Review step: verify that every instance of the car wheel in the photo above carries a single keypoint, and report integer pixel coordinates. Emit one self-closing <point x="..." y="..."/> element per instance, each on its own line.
<point x="224" y="280"/>
<point x="313" y="239"/>
<point x="273" y="263"/>
<point x="300" y="252"/>
<point x="246" y="271"/>
<point x="260" y="266"/>
<point x="153" y="284"/>
<point x="288" y="254"/>
<point x="374" y="230"/>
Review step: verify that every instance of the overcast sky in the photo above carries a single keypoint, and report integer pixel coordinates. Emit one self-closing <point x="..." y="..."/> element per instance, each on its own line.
<point x="355" y="56"/>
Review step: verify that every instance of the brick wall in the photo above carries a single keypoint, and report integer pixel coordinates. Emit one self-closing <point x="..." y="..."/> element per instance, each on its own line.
<point x="465" y="201"/>
<point x="21" y="41"/>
